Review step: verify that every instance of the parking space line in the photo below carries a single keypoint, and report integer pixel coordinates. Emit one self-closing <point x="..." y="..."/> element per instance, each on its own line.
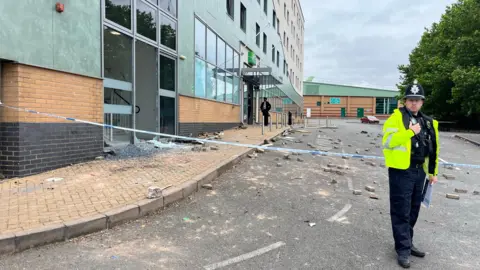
<point x="245" y="256"/>
<point x="340" y="213"/>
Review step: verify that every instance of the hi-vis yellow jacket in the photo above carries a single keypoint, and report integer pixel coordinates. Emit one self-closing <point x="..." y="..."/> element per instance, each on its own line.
<point x="397" y="143"/>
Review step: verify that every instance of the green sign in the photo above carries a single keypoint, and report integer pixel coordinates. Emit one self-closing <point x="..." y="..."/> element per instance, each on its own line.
<point x="252" y="59"/>
<point x="334" y="100"/>
<point x="278" y="109"/>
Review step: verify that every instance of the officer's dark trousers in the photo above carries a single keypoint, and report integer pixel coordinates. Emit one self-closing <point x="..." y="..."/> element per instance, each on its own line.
<point x="406" y="196"/>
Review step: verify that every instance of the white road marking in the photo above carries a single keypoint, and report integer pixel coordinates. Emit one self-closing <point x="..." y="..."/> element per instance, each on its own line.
<point x="442" y="160"/>
<point x="244" y="257"/>
<point x="340" y="213"/>
<point x="350" y="184"/>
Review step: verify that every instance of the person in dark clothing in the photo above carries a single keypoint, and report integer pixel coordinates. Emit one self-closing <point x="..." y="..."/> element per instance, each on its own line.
<point x="290" y="120"/>
<point x="411" y="150"/>
<point x="265" y="108"/>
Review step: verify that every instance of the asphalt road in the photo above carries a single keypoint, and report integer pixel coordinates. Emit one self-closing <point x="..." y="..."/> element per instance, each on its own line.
<point x="273" y="201"/>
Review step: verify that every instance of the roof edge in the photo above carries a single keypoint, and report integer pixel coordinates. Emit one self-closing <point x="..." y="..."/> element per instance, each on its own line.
<point x="351" y="86"/>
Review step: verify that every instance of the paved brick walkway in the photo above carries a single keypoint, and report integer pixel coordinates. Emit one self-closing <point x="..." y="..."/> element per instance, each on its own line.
<point x="98" y="186"/>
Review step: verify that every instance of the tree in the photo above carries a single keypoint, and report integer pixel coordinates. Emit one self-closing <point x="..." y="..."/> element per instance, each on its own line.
<point x="446" y="62"/>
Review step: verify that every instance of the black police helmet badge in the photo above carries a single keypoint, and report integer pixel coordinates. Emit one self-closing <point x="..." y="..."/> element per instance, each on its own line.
<point x="414" y="91"/>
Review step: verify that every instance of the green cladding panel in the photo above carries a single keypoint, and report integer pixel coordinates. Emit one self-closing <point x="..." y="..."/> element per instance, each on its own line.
<point x="33" y="33"/>
<point x="252" y="58"/>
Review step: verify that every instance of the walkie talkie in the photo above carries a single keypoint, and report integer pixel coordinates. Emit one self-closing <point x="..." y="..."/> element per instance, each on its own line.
<point x="414" y="122"/>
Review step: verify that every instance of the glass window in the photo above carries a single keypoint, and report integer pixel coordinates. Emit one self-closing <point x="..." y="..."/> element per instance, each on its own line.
<point x="236" y="90"/>
<point x="220" y="53"/>
<point x="117" y="55"/>
<point x="146" y="20"/>
<point x="211" y="47"/>
<point x="257" y="37"/>
<point x="169" y="5"/>
<point x="229" y="59"/>
<point x="230" y="8"/>
<point x="117" y="96"/>
<point x="211" y="81"/>
<point x="243" y="17"/>
<point x="229" y="88"/>
<point x="265" y="6"/>
<point x="167" y="73"/>
<point x="236" y="63"/>
<point x="264" y="43"/>
<point x="278" y="59"/>
<point x="379" y="106"/>
<point x="200" y="71"/>
<point x="168" y="32"/>
<point x="221" y="85"/>
<point x="167" y="115"/>
<point x="119" y="11"/>
<point x="199" y="39"/>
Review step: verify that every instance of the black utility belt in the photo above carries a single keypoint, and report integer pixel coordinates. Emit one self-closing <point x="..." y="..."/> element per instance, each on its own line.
<point x="416" y="165"/>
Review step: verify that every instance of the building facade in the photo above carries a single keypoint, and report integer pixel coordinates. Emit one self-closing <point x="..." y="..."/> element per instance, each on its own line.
<point x="322" y="100"/>
<point x="169" y="66"/>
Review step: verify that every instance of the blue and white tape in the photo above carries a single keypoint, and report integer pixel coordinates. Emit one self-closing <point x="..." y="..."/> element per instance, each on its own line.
<point x="291" y="150"/>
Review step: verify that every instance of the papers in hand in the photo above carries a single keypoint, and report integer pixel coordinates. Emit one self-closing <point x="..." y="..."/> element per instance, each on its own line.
<point x="428" y="196"/>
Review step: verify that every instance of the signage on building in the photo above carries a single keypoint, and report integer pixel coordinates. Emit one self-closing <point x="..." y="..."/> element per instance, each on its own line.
<point x="252" y="59"/>
<point x="334" y="100"/>
<point x="309" y="112"/>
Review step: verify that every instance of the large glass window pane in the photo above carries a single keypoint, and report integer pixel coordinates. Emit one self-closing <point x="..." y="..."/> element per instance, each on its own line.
<point x="146" y="20"/>
<point x="211" y="81"/>
<point x="199" y="39"/>
<point x="229" y="59"/>
<point x="220" y="53"/>
<point x="167" y="115"/>
<point x="169" y="5"/>
<point x="211" y="47"/>
<point x="236" y="63"/>
<point x="168" y="32"/>
<point x="379" y="105"/>
<point x="167" y="73"/>
<point x="221" y="85"/>
<point x="236" y="92"/>
<point x="200" y="71"/>
<point x="229" y="88"/>
<point x="119" y="11"/>
<point x="117" y="55"/>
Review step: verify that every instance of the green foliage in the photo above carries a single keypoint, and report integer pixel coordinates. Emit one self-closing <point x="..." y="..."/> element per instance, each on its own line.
<point x="446" y="62"/>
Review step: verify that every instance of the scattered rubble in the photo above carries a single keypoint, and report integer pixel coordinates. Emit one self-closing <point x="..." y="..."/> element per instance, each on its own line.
<point x="373" y="196"/>
<point x="371" y="163"/>
<point x="363" y="132"/>
<point x="266" y="141"/>
<point x="300" y="160"/>
<point x="331" y="165"/>
<point x="286" y="156"/>
<point x="459" y="190"/>
<point x="154" y="192"/>
<point x="453" y="196"/>
<point x="476" y="192"/>
<point x="342" y="167"/>
<point x="214" y="148"/>
<point x="260" y="150"/>
<point x="253" y="155"/>
<point x="333" y="181"/>
<point x="345" y="157"/>
<point x="449" y="176"/>
<point x="339" y="172"/>
<point x="208" y="136"/>
<point x="279" y="165"/>
<point x="311" y="145"/>
<point x="207" y="186"/>
<point x="357" y="192"/>
<point x="367" y="150"/>
<point x="349" y="145"/>
<point x="100" y="158"/>
<point x="370" y="188"/>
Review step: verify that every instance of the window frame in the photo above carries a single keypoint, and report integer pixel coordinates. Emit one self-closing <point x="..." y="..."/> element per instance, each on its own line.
<point x="230" y="9"/>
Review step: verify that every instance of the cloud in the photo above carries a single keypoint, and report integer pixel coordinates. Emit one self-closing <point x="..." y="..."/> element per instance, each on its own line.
<point x="361" y="42"/>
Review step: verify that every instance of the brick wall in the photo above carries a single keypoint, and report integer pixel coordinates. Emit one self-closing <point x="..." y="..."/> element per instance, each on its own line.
<point x="31" y="143"/>
<point x="351" y="104"/>
<point x="201" y="115"/>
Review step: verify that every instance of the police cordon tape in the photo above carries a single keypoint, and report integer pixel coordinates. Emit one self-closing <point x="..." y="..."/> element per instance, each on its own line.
<point x="279" y="149"/>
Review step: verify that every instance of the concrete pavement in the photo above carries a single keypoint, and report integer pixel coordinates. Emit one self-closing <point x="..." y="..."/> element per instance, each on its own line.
<point x="269" y="200"/>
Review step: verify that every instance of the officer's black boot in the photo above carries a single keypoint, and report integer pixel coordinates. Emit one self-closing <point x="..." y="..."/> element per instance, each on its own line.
<point x="403" y="261"/>
<point x="417" y="253"/>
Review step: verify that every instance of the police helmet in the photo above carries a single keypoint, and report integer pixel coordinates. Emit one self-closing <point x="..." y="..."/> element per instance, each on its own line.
<point x="414" y="91"/>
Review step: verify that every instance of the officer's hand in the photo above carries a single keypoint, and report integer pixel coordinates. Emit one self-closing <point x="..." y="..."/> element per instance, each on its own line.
<point x="433" y="179"/>
<point x="416" y="128"/>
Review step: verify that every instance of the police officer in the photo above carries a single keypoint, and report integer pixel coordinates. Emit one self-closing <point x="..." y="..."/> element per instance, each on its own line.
<point x="411" y="149"/>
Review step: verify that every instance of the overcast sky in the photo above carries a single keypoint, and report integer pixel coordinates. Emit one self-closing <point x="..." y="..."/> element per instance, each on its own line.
<point x="361" y="42"/>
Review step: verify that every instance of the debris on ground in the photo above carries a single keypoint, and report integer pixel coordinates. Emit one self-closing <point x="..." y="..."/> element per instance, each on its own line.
<point x="363" y="132"/>
<point x="54" y="179"/>
<point x="260" y="150"/>
<point x="214" y="148"/>
<point x="357" y="192"/>
<point x="266" y="141"/>
<point x="357" y="151"/>
<point x="311" y="224"/>
<point x="209" y="136"/>
<point x="286" y="156"/>
<point x="310" y="145"/>
<point x="342" y="167"/>
<point x="371" y="163"/>
<point x="279" y="165"/>
<point x="367" y="150"/>
<point x="373" y="196"/>
<point x="154" y="192"/>
<point x="459" y="190"/>
<point x="449" y="176"/>
<point x="370" y="188"/>
<point x="476" y="192"/>
<point x="300" y="160"/>
<point x="453" y="196"/>
<point x="382" y="165"/>
<point x="339" y="172"/>
<point x="345" y="157"/>
<point x="253" y="155"/>
<point x="100" y="158"/>
<point x="333" y="181"/>
<point x="207" y="186"/>
<point x="349" y="145"/>
<point x="331" y="165"/>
